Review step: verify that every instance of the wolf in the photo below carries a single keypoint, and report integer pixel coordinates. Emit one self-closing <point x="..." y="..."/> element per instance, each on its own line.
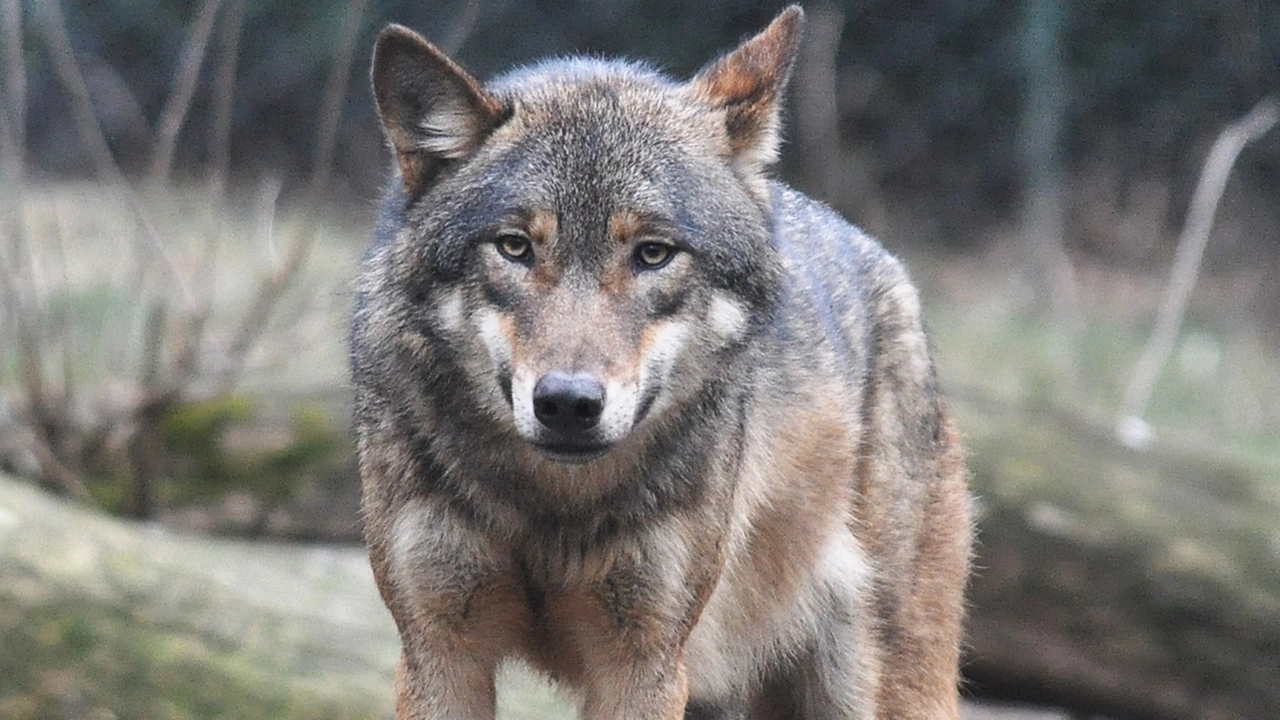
<point x="636" y="414"/>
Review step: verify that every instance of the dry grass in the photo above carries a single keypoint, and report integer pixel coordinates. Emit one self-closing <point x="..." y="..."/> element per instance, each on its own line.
<point x="1221" y="389"/>
<point x="86" y="281"/>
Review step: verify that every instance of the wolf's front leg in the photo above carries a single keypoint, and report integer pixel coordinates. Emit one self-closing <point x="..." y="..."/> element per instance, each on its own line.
<point x="435" y="685"/>
<point x="631" y="689"/>
<point x="453" y="639"/>
<point x="634" y="621"/>
<point x="457" y="608"/>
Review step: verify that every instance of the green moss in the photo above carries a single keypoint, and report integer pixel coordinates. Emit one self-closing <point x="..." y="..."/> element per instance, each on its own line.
<point x="194" y="438"/>
<point x="205" y="464"/>
<point x="313" y="444"/>
<point x="197" y="426"/>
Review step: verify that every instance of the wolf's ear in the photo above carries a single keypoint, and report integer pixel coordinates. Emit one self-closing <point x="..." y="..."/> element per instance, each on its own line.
<point x="747" y="85"/>
<point x="432" y="110"/>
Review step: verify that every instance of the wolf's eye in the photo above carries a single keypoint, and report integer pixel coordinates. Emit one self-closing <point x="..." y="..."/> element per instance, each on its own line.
<point x="653" y="255"/>
<point x="515" y="247"/>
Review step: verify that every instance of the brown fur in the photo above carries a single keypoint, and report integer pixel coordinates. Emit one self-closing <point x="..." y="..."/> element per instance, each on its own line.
<point x="766" y="515"/>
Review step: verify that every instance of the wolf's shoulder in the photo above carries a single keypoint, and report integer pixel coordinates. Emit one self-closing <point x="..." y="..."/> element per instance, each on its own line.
<point x="815" y="238"/>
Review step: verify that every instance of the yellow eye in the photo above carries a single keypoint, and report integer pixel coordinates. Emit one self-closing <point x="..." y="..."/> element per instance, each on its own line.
<point x="653" y="255"/>
<point x="515" y="247"/>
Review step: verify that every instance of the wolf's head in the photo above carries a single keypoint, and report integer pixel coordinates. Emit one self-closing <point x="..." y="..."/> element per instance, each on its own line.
<point x="590" y="239"/>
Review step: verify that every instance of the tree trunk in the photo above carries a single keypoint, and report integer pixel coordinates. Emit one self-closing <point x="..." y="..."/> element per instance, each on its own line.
<point x="1046" y="99"/>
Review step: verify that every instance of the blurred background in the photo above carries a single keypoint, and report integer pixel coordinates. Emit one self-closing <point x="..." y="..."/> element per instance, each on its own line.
<point x="1086" y="192"/>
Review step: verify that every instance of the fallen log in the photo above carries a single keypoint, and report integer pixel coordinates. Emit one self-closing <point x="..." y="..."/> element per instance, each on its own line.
<point x="1140" y="585"/>
<point x="108" y="618"/>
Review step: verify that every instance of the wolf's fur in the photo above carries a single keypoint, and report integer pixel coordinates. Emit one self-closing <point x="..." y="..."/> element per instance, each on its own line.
<point x="763" y="513"/>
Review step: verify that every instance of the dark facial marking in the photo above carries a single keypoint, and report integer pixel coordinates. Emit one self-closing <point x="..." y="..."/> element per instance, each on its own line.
<point x="500" y="297"/>
<point x="668" y="304"/>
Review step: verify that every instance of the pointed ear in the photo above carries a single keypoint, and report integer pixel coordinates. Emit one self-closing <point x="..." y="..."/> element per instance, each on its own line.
<point x="747" y="84"/>
<point x="432" y="110"/>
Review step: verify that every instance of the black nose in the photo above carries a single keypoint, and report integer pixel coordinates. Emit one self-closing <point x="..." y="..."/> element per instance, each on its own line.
<point x="568" y="402"/>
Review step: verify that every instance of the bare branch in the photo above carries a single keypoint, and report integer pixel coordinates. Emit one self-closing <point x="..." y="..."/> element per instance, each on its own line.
<point x="224" y="88"/>
<point x="55" y="329"/>
<point x="144" y="444"/>
<point x="16" y="282"/>
<point x="190" y="333"/>
<point x="817" y="117"/>
<point x="130" y="117"/>
<point x="16" y="291"/>
<point x="13" y="256"/>
<point x="1046" y="99"/>
<point x="90" y="131"/>
<point x="64" y="65"/>
<point x="175" y="340"/>
<point x="184" y="88"/>
<point x="55" y="471"/>
<point x="254" y="323"/>
<point x="1186" y="265"/>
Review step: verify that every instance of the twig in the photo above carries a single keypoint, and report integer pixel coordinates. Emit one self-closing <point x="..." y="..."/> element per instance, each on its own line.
<point x="184" y="88"/>
<point x="1131" y="428"/>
